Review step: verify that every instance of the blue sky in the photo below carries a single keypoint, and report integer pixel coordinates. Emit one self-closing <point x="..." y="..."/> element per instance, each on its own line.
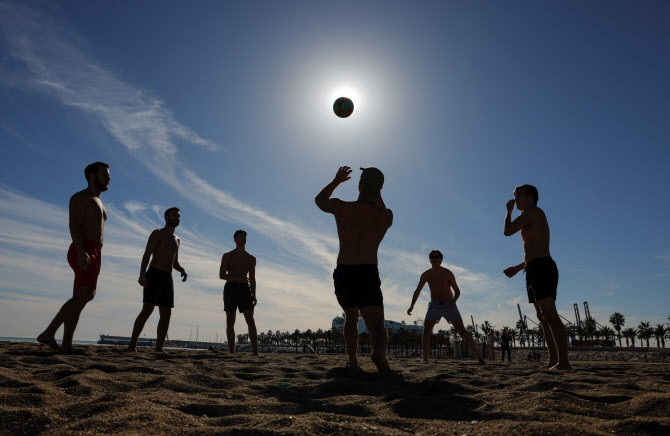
<point x="225" y="111"/>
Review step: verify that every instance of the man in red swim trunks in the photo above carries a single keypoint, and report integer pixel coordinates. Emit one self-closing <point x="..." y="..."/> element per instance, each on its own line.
<point x="87" y="226"/>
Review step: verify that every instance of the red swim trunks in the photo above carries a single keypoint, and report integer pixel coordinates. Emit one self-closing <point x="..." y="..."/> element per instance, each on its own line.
<point x="89" y="277"/>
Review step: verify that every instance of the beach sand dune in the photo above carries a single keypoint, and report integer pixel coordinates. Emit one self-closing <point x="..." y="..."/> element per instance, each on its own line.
<point x="104" y="390"/>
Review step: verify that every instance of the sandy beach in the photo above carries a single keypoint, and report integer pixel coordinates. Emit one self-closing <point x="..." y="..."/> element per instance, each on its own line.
<point x="104" y="390"/>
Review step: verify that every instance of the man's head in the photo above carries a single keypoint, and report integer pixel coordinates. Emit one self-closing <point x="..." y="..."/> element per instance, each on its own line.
<point x="370" y="185"/>
<point x="526" y="196"/>
<point x="435" y="257"/>
<point x="240" y="237"/>
<point x="172" y="216"/>
<point x="97" y="174"/>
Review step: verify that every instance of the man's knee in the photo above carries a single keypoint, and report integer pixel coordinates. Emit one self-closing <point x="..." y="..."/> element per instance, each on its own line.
<point x="84" y="295"/>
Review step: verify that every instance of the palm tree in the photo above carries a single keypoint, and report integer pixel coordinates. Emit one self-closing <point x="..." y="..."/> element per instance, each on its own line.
<point x="486" y="327"/>
<point x="644" y="331"/>
<point x="607" y="332"/>
<point x="630" y="333"/>
<point x="618" y="321"/>
<point x="521" y="325"/>
<point x="512" y="335"/>
<point x="659" y="333"/>
<point x="590" y="326"/>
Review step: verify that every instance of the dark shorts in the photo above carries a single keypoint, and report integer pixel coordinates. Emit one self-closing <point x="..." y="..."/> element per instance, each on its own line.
<point x="541" y="279"/>
<point x="88" y="278"/>
<point x="358" y="285"/>
<point x="237" y="296"/>
<point x="160" y="288"/>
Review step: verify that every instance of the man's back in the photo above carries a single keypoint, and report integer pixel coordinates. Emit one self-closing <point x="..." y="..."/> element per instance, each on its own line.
<point x="361" y="227"/>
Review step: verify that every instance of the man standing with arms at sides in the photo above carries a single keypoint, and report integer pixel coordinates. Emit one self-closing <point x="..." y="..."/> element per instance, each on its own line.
<point x="505" y="345"/>
<point x="239" y="291"/>
<point x="163" y="249"/>
<point x="87" y="226"/>
<point x="540" y="268"/>
<point x="442" y="303"/>
<point x="361" y="226"/>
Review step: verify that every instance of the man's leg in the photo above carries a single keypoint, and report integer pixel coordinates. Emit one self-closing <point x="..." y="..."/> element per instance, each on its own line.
<point x="69" y="316"/>
<point x="548" y="337"/>
<point x="427" y="331"/>
<point x="460" y="328"/>
<point x="374" y="320"/>
<point x="253" y="336"/>
<point x="559" y="338"/>
<point x="351" y="334"/>
<point x="163" y="325"/>
<point x="230" y="330"/>
<point x="145" y="313"/>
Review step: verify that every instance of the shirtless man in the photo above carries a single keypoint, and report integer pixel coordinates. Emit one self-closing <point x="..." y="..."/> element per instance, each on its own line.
<point x="361" y="226"/>
<point x="87" y="226"/>
<point x="163" y="249"/>
<point x="442" y="303"/>
<point x="540" y="268"/>
<point x="239" y="291"/>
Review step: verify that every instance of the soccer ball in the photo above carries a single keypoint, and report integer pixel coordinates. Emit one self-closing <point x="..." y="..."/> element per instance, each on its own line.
<point x="343" y="107"/>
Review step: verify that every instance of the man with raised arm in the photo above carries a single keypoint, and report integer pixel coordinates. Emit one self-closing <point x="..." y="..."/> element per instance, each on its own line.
<point x="441" y="281"/>
<point x="87" y="226"/>
<point x="540" y="268"/>
<point x="361" y="226"/>
<point x="163" y="249"/>
<point x="238" y="269"/>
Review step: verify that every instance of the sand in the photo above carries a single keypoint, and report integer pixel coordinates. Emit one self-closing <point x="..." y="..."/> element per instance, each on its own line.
<point x="104" y="390"/>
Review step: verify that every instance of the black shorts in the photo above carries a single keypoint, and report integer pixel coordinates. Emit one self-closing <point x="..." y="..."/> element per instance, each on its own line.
<point x="358" y="285"/>
<point x="541" y="279"/>
<point x="237" y="296"/>
<point x="160" y="288"/>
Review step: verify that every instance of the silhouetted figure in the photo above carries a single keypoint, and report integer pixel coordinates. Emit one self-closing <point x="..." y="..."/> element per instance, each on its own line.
<point x="163" y="249"/>
<point x="238" y="269"/>
<point x="540" y="268"/>
<point x="87" y="227"/>
<point x="505" y="345"/>
<point x="441" y="281"/>
<point x="361" y="226"/>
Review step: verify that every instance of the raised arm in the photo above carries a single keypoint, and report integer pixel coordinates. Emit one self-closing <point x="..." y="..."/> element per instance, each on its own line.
<point x="323" y="200"/>
<point x="511" y="227"/>
<point x="151" y="246"/>
<point x="252" y="280"/>
<point x="422" y="283"/>
<point x="175" y="263"/>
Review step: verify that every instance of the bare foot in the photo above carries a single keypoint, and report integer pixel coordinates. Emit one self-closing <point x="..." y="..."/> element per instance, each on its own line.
<point x="161" y="351"/>
<point x="380" y="362"/>
<point x="561" y="366"/>
<point x="424" y="361"/>
<point x="549" y="365"/>
<point x="131" y="350"/>
<point x="48" y="340"/>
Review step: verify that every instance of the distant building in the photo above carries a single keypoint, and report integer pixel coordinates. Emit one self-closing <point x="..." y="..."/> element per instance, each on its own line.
<point x="393" y="326"/>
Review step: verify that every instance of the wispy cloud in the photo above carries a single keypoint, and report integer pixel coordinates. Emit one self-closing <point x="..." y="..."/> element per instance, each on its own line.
<point x="297" y="286"/>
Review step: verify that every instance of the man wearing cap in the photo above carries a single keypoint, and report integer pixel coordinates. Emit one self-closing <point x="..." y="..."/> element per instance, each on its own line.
<point x="361" y="226"/>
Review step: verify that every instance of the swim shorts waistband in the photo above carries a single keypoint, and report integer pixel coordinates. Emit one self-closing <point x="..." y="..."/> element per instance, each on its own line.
<point x="89" y="243"/>
<point x="539" y="260"/>
<point x="344" y="266"/>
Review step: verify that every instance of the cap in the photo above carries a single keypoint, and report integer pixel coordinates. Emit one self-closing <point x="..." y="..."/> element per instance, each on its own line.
<point x="372" y="181"/>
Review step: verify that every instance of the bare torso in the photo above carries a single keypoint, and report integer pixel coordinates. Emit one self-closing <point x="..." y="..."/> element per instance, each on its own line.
<point x="360" y="227"/>
<point x="439" y="284"/>
<point x="88" y="215"/>
<point x="237" y="264"/>
<point x="535" y="236"/>
<point x="164" y="253"/>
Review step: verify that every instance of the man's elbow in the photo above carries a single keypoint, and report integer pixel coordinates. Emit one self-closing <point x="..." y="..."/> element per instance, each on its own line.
<point x="508" y="232"/>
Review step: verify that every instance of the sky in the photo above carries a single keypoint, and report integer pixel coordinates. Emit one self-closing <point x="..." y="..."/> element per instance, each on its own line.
<point x="225" y="110"/>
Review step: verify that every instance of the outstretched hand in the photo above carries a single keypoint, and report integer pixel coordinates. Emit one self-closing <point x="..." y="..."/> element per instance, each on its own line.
<point x="511" y="271"/>
<point x="343" y="174"/>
